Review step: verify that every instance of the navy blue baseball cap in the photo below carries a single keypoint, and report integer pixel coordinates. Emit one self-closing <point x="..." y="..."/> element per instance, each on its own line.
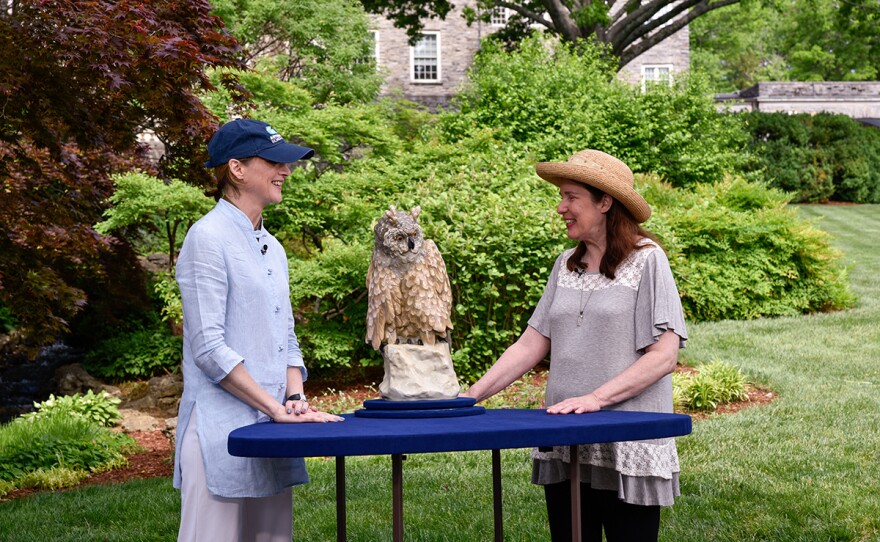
<point x="244" y="138"/>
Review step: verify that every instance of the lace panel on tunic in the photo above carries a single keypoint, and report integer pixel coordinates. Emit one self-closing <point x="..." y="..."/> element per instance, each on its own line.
<point x="634" y="458"/>
<point x="629" y="274"/>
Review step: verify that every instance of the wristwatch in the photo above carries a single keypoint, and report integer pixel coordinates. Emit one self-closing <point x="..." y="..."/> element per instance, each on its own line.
<point x="298" y="397"/>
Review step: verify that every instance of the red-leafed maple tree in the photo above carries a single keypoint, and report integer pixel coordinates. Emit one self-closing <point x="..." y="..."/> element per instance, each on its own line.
<point x="80" y="80"/>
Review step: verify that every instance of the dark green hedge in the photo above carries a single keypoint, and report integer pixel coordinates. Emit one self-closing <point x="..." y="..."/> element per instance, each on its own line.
<point x="817" y="157"/>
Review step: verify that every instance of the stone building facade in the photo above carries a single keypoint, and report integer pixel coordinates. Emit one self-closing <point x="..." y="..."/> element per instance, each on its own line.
<point x="430" y="72"/>
<point x="663" y="62"/>
<point x="857" y="99"/>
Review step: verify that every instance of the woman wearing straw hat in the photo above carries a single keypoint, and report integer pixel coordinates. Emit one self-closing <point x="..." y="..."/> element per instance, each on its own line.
<point x="241" y="359"/>
<point x="611" y="320"/>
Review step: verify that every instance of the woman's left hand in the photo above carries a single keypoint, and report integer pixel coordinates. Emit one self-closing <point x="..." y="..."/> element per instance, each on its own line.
<point x="576" y="405"/>
<point x="307" y="414"/>
<point x="298" y="407"/>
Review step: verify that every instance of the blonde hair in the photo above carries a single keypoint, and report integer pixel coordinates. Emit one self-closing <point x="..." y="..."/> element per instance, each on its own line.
<point x="226" y="180"/>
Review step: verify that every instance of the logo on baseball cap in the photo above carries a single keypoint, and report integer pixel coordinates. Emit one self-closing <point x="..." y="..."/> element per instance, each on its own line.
<point x="244" y="138"/>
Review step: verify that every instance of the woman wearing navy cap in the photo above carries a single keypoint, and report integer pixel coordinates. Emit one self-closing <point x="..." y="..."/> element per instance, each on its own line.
<point x="241" y="359"/>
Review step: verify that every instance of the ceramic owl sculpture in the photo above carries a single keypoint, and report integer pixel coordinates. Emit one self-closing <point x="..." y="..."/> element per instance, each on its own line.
<point x="409" y="294"/>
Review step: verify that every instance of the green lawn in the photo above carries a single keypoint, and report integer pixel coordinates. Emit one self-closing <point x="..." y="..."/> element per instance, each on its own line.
<point x="806" y="467"/>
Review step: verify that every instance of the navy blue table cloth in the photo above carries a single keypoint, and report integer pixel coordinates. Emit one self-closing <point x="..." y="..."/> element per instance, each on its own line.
<point x="496" y="429"/>
<point x="493" y="430"/>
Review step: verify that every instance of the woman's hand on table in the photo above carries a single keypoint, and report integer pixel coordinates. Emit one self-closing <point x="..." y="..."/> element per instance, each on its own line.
<point x="576" y="405"/>
<point x="305" y="413"/>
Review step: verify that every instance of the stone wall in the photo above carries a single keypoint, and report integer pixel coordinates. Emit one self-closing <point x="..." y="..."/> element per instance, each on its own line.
<point x="856" y="99"/>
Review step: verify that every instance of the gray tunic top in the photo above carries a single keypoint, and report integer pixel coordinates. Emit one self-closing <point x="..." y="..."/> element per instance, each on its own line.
<point x="621" y="317"/>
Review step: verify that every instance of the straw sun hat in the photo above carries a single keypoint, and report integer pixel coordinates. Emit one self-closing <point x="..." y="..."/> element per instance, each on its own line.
<point x="600" y="170"/>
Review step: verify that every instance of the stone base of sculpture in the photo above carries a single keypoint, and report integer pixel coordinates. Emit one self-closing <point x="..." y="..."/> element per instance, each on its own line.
<point x="416" y="372"/>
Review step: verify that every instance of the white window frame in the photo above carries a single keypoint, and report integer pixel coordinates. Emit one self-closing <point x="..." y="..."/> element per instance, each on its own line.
<point x="375" y="34"/>
<point x="648" y="67"/>
<point x="412" y="61"/>
<point x="499" y="16"/>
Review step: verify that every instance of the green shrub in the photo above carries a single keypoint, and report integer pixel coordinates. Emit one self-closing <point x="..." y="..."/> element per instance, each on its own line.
<point x="739" y="252"/>
<point x="328" y="293"/>
<point x="854" y="156"/>
<point x="530" y="95"/>
<point x="701" y="394"/>
<point x="167" y="293"/>
<point x="147" y="209"/>
<point x="5" y="487"/>
<point x="729" y="381"/>
<point x="817" y="157"/>
<point x="68" y="442"/>
<point x="715" y="384"/>
<point x="7" y="320"/>
<point x="680" y="383"/>
<point x="736" y="249"/>
<point x="143" y="352"/>
<point x="101" y="408"/>
<point x="554" y="99"/>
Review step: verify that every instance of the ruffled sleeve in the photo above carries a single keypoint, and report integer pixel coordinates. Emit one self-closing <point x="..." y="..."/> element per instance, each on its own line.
<point x="658" y="305"/>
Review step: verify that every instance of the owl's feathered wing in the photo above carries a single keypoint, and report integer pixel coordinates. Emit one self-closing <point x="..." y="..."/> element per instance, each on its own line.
<point x="428" y="297"/>
<point x="383" y="286"/>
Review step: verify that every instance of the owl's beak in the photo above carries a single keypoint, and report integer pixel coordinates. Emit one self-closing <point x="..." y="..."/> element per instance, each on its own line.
<point x="410" y="243"/>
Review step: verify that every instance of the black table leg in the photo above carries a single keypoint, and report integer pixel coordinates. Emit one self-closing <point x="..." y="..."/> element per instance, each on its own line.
<point x="397" y="496"/>
<point x="574" y="475"/>
<point x="340" y="499"/>
<point x="496" y="494"/>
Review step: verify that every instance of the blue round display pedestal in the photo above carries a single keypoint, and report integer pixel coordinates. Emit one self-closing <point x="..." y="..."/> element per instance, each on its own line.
<point x="432" y="408"/>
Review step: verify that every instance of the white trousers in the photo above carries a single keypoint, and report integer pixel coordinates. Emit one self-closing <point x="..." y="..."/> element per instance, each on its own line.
<point x="205" y="517"/>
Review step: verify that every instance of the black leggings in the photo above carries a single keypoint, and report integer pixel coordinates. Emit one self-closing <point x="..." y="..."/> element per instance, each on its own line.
<point x="623" y="522"/>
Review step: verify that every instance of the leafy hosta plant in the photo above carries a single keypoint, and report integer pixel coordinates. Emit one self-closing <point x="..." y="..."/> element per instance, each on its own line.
<point x="716" y="383"/>
<point x="100" y="408"/>
<point x="48" y="450"/>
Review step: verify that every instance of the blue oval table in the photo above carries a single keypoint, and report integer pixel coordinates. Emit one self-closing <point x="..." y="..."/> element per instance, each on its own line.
<point x="493" y="430"/>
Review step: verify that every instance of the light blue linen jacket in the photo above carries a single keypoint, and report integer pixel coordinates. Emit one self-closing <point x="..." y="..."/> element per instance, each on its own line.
<point x="236" y="307"/>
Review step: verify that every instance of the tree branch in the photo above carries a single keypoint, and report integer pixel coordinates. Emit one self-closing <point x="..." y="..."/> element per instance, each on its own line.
<point x="627" y="52"/>
<point x="640" y="22"/>
<point x="628" y="7"/>
<point x="527" y="13"/>
<point x="562" y="20"/>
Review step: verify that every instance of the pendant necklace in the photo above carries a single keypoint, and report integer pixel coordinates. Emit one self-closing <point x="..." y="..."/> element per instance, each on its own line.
<point x="583" y="305"/>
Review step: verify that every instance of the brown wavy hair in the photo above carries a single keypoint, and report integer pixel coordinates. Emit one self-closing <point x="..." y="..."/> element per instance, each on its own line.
<point x="622" y="234"/>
